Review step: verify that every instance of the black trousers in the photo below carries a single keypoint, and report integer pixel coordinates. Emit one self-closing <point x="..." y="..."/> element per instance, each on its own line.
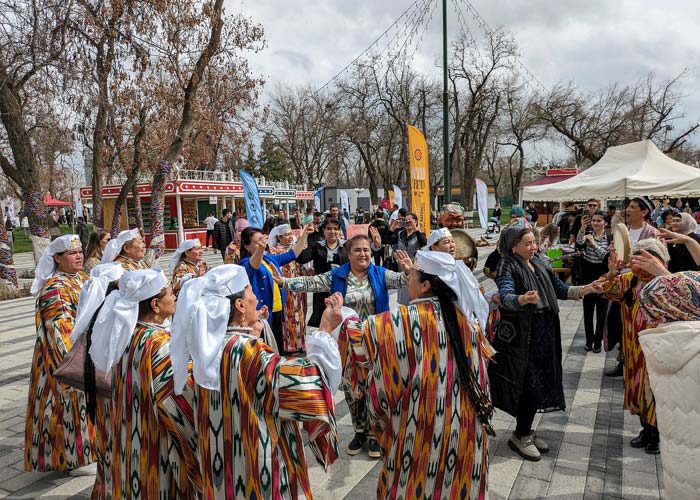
<point x="277" y="326"/>
<point x="594" y="304"/>
<point x="210" y="235"/>
<point x="526" y="415"/>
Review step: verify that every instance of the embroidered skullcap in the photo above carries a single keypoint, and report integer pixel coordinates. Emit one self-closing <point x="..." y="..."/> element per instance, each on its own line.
<point x="93" y="295"/>
<point x="115" y="245"/>
<point x="117" y="319"/>
<point x="200" y="322"/>
<point x="184" y="247"/>
<point x="653" y="246"/>
<point x="47" y="265"/>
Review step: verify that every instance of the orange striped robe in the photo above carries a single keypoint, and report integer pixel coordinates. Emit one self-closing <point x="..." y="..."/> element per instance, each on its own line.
<point x="250" y="445"/>
<point x="182" y="269"/>
<point x="294" y="309"/>
<point x="58" y="435"/>
<point x="130" y="264"/>
<point x="433" y="442"/>
<point x="154" y="449"/>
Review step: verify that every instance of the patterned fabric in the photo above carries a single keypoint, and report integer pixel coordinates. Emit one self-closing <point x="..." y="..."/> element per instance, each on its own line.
<point x="182" y="269"/>
<point x="130" y="264"/>
<point x="294" y="308"/>
<point x="433" y="442"/>
<point x="90" y="264"/>
<point x="58" y="435"/>
<point x="250" y="445"/>
<point x="671" y="298"/>
<point x="233" y="254"/>
<point x="103" y="445"/>
<point x="639" y="399"/>
<point x="154" y="443"/>
<point x="359" y="294"/>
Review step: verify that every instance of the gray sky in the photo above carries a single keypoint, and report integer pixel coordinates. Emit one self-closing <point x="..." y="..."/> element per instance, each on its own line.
<point x="594" y="42"/>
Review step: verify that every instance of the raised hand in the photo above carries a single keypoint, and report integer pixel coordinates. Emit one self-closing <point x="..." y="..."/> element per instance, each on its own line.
<point x="374" y="234"/>
<point x="333" y="315"/>
<point x="404" y="260"/>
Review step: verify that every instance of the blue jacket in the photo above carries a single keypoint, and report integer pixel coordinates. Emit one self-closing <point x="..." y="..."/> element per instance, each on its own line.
<point x="375" y="274"/>
<point x="261" y="280"/>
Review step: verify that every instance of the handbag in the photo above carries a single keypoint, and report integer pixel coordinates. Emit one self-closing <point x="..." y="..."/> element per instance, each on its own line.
<point x="71" y="371"/>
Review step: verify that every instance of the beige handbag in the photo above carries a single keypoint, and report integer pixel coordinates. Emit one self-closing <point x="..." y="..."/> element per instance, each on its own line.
<point x="71" y="371"/>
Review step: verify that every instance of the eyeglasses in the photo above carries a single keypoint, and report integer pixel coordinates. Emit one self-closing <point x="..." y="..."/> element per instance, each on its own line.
<point x="592" y="204"/>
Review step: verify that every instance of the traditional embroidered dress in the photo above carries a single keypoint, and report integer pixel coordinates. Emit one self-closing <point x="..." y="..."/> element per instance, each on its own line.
<point x="233" y="254"/>
<point x="154" y="453"/>
<point x="58" y="436"/>
<point x="183" y="269"/>
<point x="433" y="441"/>
<point x="131" y="264"/>
<point x="639" y="399"/>
<point x="294" y="308"/>
<point x="250" y="445"/>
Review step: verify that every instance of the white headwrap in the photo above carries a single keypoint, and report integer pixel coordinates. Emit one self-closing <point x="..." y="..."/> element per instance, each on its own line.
<point x="460" y="279"/>
<point x="117" y="319"/>
<point x="200" y="323"/>
<point x="278" y="231"/>
<point x="438" y="234"/>
<point x="93" y="295"/>
<point x="115" y="245"/>
<point x="184" y="247"/>
<point x="47" y="266"/>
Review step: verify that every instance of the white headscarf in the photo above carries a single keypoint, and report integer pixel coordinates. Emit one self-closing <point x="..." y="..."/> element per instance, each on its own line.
<point x="438" y="234"/>
<point x="200" y="324"/>
<point x="276" y="232"/>
<point x="460" y="279"/>
<point x="93" y="295"/>
<point x="46" y="266"/>
<point x="115" y="245"/>
<point x="184" y="247"/>
<point x="117" y="319"/>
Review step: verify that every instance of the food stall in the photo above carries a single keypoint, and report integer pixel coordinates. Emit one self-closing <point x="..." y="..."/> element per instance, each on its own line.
<point x="190" y="198"/>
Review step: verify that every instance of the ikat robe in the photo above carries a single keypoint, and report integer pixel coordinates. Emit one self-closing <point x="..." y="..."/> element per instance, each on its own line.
<point x="58" y="434"/>
<point x="182" y="269"/>
<point x="250" y="445"/>
<point x="154" y="447"/>
<point x="130" y="264"/>
<point x="433" y="443"/>
<point x="294" y="308"/>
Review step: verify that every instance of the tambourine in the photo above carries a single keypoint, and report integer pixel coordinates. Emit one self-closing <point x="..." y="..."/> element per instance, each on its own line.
<point x="622" y="242"/>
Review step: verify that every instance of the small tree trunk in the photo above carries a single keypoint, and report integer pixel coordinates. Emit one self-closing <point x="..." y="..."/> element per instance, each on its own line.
<point x="7" y="265"/>
<point x="38" y="223"/>
<point x="138" y="213"/>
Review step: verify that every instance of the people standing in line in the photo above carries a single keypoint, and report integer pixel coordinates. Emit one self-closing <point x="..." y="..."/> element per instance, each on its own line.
<point x="263" y="268"/>
<point x="595" y="241"/>
<point x="526" y="372"/>
<point x="128" y="248"/>
<point x="649" y="260"/>
<point x="251" y="401"/>
<point x="408" y="373"/>
<point x="187" y="261"/>
<point x="326" y="255"/>
<point x="335" y="212"/>
<point x="96" y="245"/>
<point x="154" y="445"/>
<point x="83" y="233"/>
<point x="410" y="239"/>
<point x="365" y="289"/>
<point x="679" y="251"/>
<point x="210" y="222"/>
<point x="224" y="232"/>
<point x="58" y="436"/>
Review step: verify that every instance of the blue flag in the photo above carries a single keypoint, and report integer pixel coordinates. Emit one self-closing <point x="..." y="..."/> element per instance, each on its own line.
<point x="253" y="204"/>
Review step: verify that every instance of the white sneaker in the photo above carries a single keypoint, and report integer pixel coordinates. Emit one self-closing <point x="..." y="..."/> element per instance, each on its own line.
<point x="524" y="447"/>
<point x="539" y="443"/>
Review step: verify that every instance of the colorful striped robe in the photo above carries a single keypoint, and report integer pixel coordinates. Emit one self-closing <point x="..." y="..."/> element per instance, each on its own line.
<point x="58" y="435"/>
<point x="182" y="269"/>
<point x="433" y="443"/>
<point x="250" y="445"/>
<point x="130" y="264"/>
<point x="294" y="326"/>
<point x="154" y="449"/>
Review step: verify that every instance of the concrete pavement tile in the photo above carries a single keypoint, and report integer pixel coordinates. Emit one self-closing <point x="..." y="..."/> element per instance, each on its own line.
<point x="73" y="486"/>
<point x="526" y="488"/>
<point x="573" y="456"/>
<point x="567" y="484"/>
<point x="578" y="434"/>
<point x="503" y="472"/>
<point x="639" y="485"/>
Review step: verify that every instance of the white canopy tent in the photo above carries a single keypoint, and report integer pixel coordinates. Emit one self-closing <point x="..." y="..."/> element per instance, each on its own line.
<point x="635" y="169"/>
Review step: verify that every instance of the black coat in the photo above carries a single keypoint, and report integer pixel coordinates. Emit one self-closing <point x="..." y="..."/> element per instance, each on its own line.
<point x="222" y="237"/>
<point x="318" y="254"/>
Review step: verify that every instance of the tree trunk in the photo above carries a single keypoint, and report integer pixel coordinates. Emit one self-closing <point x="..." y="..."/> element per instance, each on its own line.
<point x="7" y="265"/>
<point x="138" y="213"/>
<point x="121" y="203"/>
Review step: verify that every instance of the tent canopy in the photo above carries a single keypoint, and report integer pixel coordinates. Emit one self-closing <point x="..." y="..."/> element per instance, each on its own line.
<point x="635" y="169"/>
<point x="50" y="201"/>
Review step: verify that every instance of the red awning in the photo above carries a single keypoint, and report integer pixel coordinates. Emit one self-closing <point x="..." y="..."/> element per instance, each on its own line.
<point x="547" y="179"/>
<point x="50" y="201"/>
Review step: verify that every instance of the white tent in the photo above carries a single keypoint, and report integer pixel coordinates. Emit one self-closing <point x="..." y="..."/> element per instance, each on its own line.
<point x="636" y="169"/>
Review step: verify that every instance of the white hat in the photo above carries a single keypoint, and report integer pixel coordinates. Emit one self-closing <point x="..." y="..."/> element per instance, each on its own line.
<point x="278" y="231"/>
<point x="47" y="266"/>
<point x="460" y="279"/>
<point x="115" y="245"/>
<point x="93" y="295"/>
<point x="184" y="247"/>
<point x="117" y="319"/>
<point x="438" y="234"/>
<point x="200" y="323"/>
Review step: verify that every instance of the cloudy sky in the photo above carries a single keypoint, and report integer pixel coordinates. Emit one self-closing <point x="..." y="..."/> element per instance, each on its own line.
<point x="593" y="43"/>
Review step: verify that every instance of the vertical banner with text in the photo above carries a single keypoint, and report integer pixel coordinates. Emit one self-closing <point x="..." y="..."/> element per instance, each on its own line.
<point x="420" y="180"/>
<point x="253" y="203"/>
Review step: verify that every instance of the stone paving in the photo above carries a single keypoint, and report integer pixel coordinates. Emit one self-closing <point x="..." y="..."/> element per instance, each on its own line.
<point x="590" y="457"/>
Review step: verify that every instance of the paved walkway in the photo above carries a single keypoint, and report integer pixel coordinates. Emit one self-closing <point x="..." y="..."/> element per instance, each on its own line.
<point x="589" y="459"/>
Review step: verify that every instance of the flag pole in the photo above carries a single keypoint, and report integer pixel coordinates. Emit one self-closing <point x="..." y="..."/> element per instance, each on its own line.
<point x="447" y="197"/>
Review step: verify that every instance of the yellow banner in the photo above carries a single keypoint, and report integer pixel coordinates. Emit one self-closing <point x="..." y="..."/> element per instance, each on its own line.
<point x="420" y="180"/>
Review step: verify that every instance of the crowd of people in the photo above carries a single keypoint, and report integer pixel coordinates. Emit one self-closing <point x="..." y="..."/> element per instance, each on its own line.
<point x="207" y="382"/>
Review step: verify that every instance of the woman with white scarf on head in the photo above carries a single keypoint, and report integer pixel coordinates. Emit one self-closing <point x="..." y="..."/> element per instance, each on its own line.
<point x="153" y="440"/>
<point x="249" y="395"/>
<point x="128" y="248"/>
<point x="58" y="436"/>
<point x="187" y="261"/>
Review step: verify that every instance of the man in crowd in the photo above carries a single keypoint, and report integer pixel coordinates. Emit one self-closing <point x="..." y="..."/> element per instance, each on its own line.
<point x="282" y="217"/>
<point x="83" y="233"/>
<point x="210" y="223"/>
<point x="224" y="232"/>
<point x="592" y="206"/>
<point x="532" y="212"/>
<point x="335" y="212"/>
<point x="383" y="229"/>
